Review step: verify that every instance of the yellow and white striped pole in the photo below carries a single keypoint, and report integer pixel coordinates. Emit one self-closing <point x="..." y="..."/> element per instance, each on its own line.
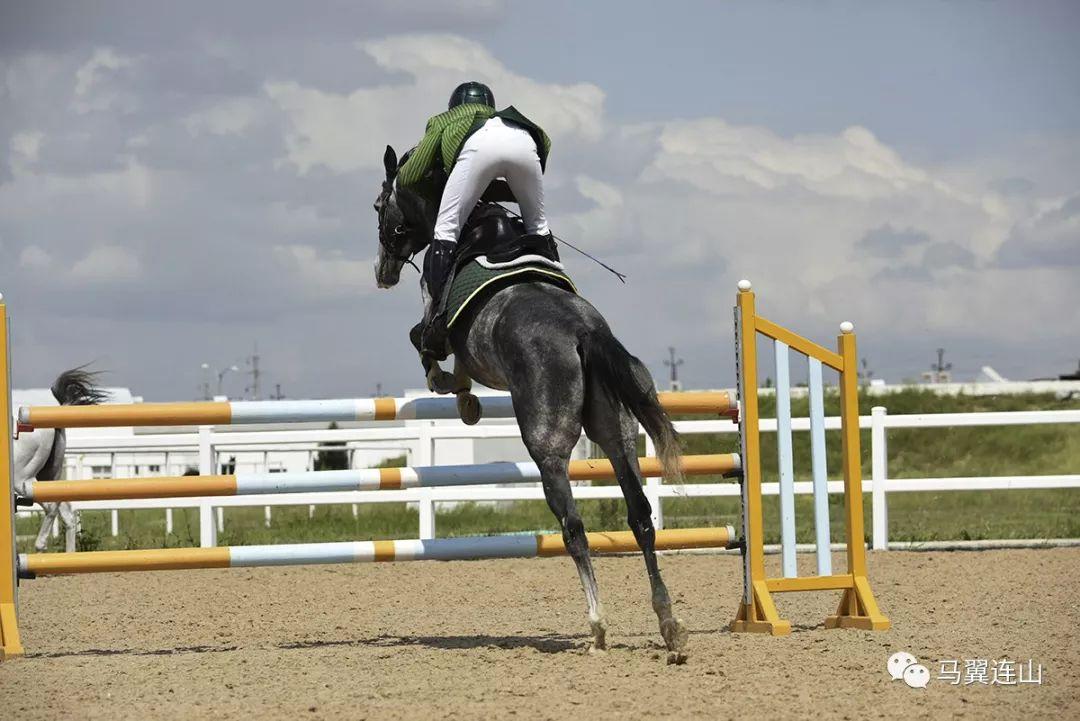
<point x="304" y="411"/>
<point x="363" y="479"/>
<point x="297" y="554"/>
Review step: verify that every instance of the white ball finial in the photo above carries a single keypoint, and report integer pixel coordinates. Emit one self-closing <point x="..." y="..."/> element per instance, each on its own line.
<point x="744" y="285"/>
<point x="847" y="327"/>
<point x="1" y="297"/>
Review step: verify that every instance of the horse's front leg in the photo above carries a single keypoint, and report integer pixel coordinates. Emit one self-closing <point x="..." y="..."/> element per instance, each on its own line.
<point x="468" y="405"/>
<point x="439" y="381"/>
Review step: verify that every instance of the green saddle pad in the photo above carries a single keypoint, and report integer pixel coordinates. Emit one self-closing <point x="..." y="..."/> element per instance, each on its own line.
<point x="472" y="278"/>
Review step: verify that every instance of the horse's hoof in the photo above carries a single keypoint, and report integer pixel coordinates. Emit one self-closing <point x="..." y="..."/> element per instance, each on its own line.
<point x="675" y="638"/>
<point x="599" y="632"/>
<point x="468" y="406"/>
<point x="676" y="658"/>
<point x="440" y="381"/>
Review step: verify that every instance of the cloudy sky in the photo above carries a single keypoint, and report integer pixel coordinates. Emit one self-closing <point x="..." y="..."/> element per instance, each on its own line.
<point x="179" y="181"/>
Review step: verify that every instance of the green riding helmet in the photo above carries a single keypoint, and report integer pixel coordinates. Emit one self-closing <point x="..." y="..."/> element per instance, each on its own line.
<point x="472" y="92"/>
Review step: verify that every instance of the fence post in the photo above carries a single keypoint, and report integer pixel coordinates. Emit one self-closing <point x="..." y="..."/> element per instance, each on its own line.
<point x="207" y="526"/>
<point x="114" y="515"/>
<point x="168" y="511"/>
<point x="10" y="644"/>
<point x="652" y="488"/>
<point x="267" y="515"/>
<point x="426" y="457"/>
<point x="879" y="459"/>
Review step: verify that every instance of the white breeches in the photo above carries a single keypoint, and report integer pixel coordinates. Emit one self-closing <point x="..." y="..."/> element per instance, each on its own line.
<point x="497" y="150"/>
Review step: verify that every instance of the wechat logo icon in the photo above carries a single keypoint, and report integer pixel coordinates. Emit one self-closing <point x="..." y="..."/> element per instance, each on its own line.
<point x="902" y="665"/>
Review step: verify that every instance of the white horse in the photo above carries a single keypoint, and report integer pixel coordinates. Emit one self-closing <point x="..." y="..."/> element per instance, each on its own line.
<point x="39" y="456"/>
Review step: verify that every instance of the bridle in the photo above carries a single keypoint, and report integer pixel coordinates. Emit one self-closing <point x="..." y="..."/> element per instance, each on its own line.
<point x="399" y="233"/>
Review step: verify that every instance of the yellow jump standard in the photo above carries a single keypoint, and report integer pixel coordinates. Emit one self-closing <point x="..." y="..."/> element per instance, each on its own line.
<point x="757" y="612"/>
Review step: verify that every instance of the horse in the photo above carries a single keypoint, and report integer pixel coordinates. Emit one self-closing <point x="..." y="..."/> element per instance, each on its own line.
<point x="565" y="371"/>
<point x="40" y="455"/>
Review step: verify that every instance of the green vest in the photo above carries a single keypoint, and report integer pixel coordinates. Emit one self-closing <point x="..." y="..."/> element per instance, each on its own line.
<point x="447" y="132"/>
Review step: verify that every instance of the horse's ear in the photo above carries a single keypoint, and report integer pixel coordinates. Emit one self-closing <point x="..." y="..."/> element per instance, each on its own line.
<point x="389" y="160"/>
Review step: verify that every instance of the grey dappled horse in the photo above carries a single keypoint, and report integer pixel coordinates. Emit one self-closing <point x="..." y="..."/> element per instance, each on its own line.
<point x="39" y="456"/>
<point x="565" y="371"/>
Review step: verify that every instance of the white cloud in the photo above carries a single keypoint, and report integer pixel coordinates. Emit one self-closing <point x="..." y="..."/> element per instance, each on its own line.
<point x="107" y="264"/>
<point x="34" y="258"/>
<point x="600" y="225"/>
<point x="325" y="273"/>
<point x="27" y="144"/>
<point x="37" y="195"/>
<point x="1049" y="238"/>
<point x="685" y="207"/>
<point x="299" y="220"/>
<point x="346" y="132"/>
<point x="228" y="117"/>
<point x="719" y="158"/>
<point x="25" y="147"/>
<point x="93" y="92"/>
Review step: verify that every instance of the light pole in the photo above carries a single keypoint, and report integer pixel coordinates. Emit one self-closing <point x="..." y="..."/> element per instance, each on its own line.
<point x="674" y="365"/>
<point x="221" y="376"/>
<point x="205" y="381"/>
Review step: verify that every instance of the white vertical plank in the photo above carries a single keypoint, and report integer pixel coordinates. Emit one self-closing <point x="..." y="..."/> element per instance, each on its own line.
<point x="426" y="505"/>
<point x="652" y="488"/>
<point x="879" y="474"/>
<point x="267" y="513"/>
<point x="168" y="511"/>
<point x="783" y="449"/>
<point x="207" y="527"/>
<point x="820" y="471"/>
<point x="114" y="515"/>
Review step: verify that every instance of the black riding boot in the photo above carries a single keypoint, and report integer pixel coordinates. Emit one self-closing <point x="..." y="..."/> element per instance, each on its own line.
<point x="438" y="265"/>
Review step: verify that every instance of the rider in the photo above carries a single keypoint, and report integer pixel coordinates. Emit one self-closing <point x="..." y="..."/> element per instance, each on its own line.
<point x="475" y="144"/>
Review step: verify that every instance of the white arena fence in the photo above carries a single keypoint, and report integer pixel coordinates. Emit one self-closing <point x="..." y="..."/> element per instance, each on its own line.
<point x="418" y="442"/>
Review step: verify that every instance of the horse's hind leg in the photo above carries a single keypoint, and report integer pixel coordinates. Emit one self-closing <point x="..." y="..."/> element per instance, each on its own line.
<point x="548" y="408"/>
<point x="71" y="525"/>
<point x="615" y="430"/>
<point x="47" y="521"/>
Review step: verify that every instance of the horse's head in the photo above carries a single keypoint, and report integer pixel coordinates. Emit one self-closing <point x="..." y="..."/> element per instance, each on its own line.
<point x="400" y="235"/>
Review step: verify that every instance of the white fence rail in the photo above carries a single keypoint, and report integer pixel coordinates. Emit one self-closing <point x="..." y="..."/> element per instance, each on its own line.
<point x="419" y="440"/>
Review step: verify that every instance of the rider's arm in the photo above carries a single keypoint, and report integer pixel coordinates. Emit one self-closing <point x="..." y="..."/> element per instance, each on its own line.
<point x="425" y="154"/>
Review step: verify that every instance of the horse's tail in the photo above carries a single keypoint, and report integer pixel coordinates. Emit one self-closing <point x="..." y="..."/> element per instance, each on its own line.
<point x="78" y="387"/>
<point x="627" y="380"/>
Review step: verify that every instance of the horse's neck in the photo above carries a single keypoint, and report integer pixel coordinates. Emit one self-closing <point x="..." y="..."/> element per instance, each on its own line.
<point x="420" y="206"/>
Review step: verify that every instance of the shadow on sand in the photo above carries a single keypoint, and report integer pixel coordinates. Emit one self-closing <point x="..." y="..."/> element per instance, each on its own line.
<point x="548" y="643"/>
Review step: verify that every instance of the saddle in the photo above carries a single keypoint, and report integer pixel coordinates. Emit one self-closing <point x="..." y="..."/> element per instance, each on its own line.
<point x="493" y="235"/>
<point x="493" y="251"/>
